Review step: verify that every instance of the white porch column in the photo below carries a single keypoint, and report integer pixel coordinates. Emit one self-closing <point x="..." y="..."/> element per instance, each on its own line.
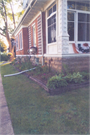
<point x="63" y="38"/>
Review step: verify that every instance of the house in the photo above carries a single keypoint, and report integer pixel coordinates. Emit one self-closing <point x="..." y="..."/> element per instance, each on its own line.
<point x="59" y="29"/>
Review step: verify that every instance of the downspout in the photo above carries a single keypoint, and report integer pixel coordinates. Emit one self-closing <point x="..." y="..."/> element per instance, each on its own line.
<point x="42" y="40"/>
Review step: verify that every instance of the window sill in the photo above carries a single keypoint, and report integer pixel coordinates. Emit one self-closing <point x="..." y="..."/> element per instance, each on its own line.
<point x="71" y="42"/>
<point x="21" y="49"/>
<point x="54" y="43"/>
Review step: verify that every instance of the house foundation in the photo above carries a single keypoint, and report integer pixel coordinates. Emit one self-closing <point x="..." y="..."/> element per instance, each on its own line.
<point x="65" y="64"/>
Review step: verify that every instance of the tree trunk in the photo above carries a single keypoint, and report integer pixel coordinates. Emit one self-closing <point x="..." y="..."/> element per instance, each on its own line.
<point x="11" y="49"/>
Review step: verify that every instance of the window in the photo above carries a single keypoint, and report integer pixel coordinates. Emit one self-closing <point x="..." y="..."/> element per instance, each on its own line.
<point x="78" y="22"/>
<point x="20" y="41"/>
<point x="83" y="27"/>
<point x="71" y="5"/>
<point x="34" y="35"/>
<point x="17" y="43"/>
<point x="71" y="25"/>
<point x="79" y="5"/>
<point x="51" y="22"/>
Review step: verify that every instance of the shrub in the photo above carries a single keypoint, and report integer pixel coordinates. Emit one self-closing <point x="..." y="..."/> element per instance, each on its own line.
<point x="56" y="82"/>
<point x="24" y="65"/>
<point x="85" y="75"/>
<point x="74" y="78"/>
<point x="4" y="57"/>
<point x="61" y="80"/>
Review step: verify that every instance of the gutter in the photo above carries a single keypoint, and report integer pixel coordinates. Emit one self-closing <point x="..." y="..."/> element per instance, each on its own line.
<point x="23" y="16"/>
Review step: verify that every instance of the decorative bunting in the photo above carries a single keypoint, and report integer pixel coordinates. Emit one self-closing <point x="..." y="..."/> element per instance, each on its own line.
<point x="81" y="48"/>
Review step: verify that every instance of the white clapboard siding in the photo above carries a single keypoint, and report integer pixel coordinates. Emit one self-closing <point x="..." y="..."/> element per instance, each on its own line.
<point x="29" y="30"/>
<point x="39" y="35"/>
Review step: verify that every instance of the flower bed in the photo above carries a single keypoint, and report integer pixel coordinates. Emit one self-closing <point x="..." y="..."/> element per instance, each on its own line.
<point x="56" y="83"/>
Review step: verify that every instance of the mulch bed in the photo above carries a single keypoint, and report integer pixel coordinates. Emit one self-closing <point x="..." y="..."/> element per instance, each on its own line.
<point x="42" y="83"/>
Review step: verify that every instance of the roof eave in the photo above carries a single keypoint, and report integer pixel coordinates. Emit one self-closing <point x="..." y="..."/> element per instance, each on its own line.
<point x="30" y="12"/>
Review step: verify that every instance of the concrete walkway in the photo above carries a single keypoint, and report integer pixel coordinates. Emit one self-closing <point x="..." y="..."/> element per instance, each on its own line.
<point x="5" y="120"/>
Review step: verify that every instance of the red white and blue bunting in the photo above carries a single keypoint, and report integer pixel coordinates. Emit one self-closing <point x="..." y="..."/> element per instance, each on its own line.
<point x="81" y="48"/>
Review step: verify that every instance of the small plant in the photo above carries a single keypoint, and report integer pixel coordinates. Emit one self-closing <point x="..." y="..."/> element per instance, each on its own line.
<point x="45" y="69"/>
<point x="85" y="75"/>
<point x="74" y="78"/>
<point x="61" y="80"/>
<point x="77" y="77"/>
<point x="38" y="70"/>
<point x="56" y="82"/>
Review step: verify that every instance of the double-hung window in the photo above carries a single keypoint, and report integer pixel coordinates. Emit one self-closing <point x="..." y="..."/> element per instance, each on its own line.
<point x="20" y="41"/>
<point x="51" y="24"/>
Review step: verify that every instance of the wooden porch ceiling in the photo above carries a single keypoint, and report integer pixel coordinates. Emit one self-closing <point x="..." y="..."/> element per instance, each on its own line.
<point x="38" y="6"/>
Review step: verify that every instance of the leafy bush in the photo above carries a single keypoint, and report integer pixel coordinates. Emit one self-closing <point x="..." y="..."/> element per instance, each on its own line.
<point x="25" y="65"/>
<point x="74" y="78"/>
<point x="3" y="46"/>
<point x="4" y="57"/>
<point x="85" y="75"/>
<point x="56" y="82"/>
<point x="61" y="80"/>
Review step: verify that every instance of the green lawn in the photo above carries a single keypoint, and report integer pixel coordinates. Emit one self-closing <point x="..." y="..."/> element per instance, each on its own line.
<point x="34" y="111"/>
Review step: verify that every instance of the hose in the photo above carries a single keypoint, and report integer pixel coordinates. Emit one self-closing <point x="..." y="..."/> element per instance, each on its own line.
<point x="19" y="72"/>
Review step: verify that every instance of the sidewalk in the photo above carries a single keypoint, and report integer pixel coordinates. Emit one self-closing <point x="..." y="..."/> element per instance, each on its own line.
<point x="5" y="120"/>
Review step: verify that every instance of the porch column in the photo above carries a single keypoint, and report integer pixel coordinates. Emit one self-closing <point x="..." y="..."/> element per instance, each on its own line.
<point x="63" y="38"/>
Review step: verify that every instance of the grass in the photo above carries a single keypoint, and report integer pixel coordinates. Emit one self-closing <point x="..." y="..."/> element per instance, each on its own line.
<point x="34" y="111"/>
